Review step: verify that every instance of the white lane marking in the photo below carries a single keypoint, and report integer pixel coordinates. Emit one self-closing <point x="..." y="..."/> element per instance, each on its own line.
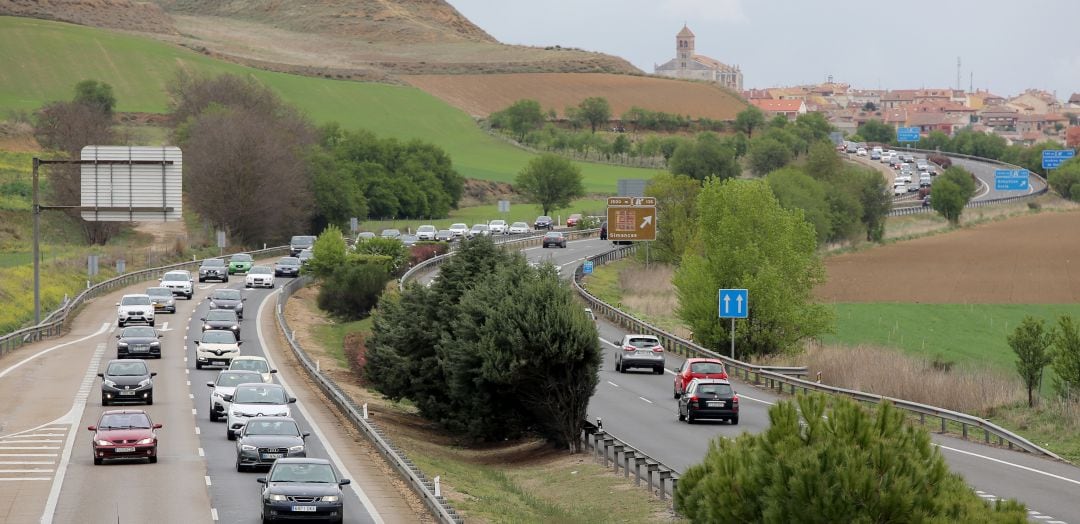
<point x="368" y="505"/>
<point x="766" y="402"/>
<point x="29" y="454"/>
<point x="188" y="382"/>
<point x="646" y="400"/>
<point x="207" y="477"/>
<point x="27" y="463"/>
<point x="104" y="327"/>
<point x="35" y="441"/>
<point x="29" y="447"/>
<point x="612" y="383"/>
<point x="20" y="479"/>
<point x="197" y="430"/>
<point x="74" y="418"/>
<point x="191" y="395"/>
<point x="201" y="453"/>
<point x="113" y="330"/>
<point x="207" y="286"/>
<point x="213" y="514"/>
<point x="1018" y="466"/>
<point x="187" y="371"/>
<point x="164" y="326"/>
<point x="194" y="412"/>
<point x="32" y="470"/>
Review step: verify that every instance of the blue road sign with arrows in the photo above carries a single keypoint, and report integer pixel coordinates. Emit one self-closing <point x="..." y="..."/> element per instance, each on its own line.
<point x="587" y="267"/>
<point x="1011" y="180"/>
<point x="1052" y="158"/>
<point x="734" y="303"/>
<point x="907" y="134"/>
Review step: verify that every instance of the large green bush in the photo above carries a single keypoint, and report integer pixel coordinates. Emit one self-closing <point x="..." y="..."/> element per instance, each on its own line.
<point x="353" y="289"/>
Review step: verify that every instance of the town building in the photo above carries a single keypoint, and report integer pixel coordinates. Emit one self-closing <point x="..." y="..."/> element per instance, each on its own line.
<point x="689" y="65"/>
<point x="788" y="108"/>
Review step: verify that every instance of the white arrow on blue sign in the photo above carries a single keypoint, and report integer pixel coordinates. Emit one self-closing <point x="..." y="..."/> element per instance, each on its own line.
<point x="907" y="134"/>
<point x="1052" y="158"/>
<point x="1011" y="180"/>
<point x="587" y="267"/>
<point x="734" y="303"/>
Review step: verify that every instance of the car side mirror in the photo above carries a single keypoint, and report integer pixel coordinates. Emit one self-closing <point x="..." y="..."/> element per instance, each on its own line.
<point x="102" y="375"/>
<point x="305" y="435"/>
<point x="209" y="384"/>
<point x="117" y="336"/>
<point x="243" y="300"/>
<point x="196" y="342"/>
<point x="117" y="303"/>
<point x="203" y="319"/>
<point x="292" y="400"/>
<point x="273" y="371"/>
<point x="261" y="480"/>
<point x="157" y="426"/>
<point x="91" y="428"/>
<point x="160" y="335"/>
<point x="238" y="342"/>
<point x="153" y="373"/>
<point x="343" y="482"/>
<point x="228" y="398"/>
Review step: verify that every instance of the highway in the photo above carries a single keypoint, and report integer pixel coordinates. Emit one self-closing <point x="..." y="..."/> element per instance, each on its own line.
<point x="638" y="408"/>
<point x="46" y="471"/>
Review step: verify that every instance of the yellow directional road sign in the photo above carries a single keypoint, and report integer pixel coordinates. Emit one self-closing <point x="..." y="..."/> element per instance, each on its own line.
<point x="631" y="218"/>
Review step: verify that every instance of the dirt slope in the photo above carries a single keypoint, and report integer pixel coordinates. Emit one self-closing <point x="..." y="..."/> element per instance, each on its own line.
<point x="111" y="14"/>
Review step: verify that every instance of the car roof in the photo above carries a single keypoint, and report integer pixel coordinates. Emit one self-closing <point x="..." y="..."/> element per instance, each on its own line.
<point x="248" y="357"/>
<point x="179" y="271"/>
<point x="136" y="295"/>
<point x="267" y="417"/>
<point x="697" y="359"/>
<point x="124" y="412"/>
<point x="125" y="360"/>
<point x="700" y="381"/>
<point x="261" y="384"/>
<point x="302" y="460"/>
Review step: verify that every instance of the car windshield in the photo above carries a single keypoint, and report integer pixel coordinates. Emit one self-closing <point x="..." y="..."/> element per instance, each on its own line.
<point x="218" y="337"/>
<point x="543" y="219"/>
<point x="302" y="241"/>
<point x="241" y="258"/>
<point x="225" y="294"/>
<point x="221" y="314"/>
<point x="458" y="226"/>
<point x="553" y="234"/>
<point x="425" y="229"/>
<point x="498" y="222"/>
<point x="260" y="270"/>
<point x="250" y="365"/>
<point x="213" y="262"/>
<point x="706" y="367"/>
<point x="159" y="292"/>
<point x="231" y="380"/>
<point x="642" y="342"/>
<point x="321" y="473"/>
<point x="126" y="369"/>
<point x="444" y="232"/>
<point x="259" y="395"/>
<point x="272" y="427"/>
<point x="390" y="232"/>
<point x="519" y="224"/>
<point x="124" y="421"/>
<point x="479" y="227"/>
<point x="135" y="301"/>
<point x="722" y="390"/>
<point x="174" y="277"/>
<point x="138" y="332"/>
<point x="289" y="261"/>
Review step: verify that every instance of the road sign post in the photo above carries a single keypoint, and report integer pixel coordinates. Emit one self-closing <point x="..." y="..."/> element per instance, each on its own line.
<point x="1011" y="180"/>
<point x="1052" y="158"/>
<point x="631" y="218"/>
<point x="907" y="134"/>
<point x="733" y="304"/>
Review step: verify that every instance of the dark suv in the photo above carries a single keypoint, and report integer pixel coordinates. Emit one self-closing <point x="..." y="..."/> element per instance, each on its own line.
<point x="299" y="243"/>
<point x="544" y="222"/>
<point x="214" y="269"/>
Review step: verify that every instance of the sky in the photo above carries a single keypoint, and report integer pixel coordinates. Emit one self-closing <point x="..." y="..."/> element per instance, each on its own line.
<point x="1008" y="46"/>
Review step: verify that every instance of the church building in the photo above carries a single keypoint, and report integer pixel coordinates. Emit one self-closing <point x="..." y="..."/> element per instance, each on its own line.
<point x="688" y="65"/>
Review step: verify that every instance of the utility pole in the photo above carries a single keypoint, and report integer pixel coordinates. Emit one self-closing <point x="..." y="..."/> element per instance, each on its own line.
<point x="35" y="212"/>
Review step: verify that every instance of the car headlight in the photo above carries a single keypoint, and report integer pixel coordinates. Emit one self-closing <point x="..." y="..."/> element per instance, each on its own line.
<point x="119" y="313"/>
<point x="103" y="442"/>
<point x="110" y="383"/>
<point x="218" y="395"/>
<point x="331" y="498"/>
<point x="144" y="383"/>
<point x="212" y="305"/>
<point x="279" y="498"/>
<point x="122" y="344"/>
<point x="247" y="447"/>
<point x="149" y="440"/>
<point x="155" y="344"/>
<point x="234" y="327"/>
<point x="170" y="302"/>
<point x="296" y="449"/>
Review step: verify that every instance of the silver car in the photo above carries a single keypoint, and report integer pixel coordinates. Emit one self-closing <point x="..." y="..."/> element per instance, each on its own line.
<point x="640" y="351"/>
<point x="224" y="386"/>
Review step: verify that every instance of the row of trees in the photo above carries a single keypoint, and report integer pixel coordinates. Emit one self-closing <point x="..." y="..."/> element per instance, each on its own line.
<point x="493" y="349"/>
<point x="352" y="282"/>
<point x="1037" y="346"/>
<point x="262" y="171"/>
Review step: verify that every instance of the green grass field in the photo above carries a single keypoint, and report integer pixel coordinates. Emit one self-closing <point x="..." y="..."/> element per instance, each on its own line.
<point x="960" y="333"/>
<point x="43" y="60"/>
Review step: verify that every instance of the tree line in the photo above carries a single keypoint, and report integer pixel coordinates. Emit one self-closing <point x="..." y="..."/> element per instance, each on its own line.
<point x="1037" y="345"/>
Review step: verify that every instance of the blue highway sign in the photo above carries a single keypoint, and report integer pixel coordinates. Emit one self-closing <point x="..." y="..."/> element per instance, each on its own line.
<point x="907" y="134"/>
<point x="734" y="303"/>
<point x="587" y="267"/>
<point x="1011" y="180"/>
<point x="1052" y="158"/>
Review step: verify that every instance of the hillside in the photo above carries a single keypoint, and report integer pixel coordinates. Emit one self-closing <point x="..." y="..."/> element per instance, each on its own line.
<point x="480" y="95"/>
<point x="113" y="14"/>
<point x="43" y="60"/>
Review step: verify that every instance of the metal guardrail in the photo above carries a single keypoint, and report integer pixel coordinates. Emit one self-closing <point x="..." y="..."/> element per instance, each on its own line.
<point x="53" y="325"/>
<point x="775" y="379"/>
<point x="606" y="448"/>
<point x="408" y="471"/>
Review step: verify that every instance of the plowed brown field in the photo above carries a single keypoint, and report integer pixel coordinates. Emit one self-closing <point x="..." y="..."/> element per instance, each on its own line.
<point x="1032" y="259"/>
<point x="481" y="95"/>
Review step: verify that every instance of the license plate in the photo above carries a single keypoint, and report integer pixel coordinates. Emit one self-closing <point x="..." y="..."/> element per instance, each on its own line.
<point x="643" y="352"/>
<point x="127" y="392"/>
<point x="303" y="508"/>
<point x="137" y="349"/>
<point x="714" y="404"/>
<point x="125" y="450"/>
<point x="272" y="455"/>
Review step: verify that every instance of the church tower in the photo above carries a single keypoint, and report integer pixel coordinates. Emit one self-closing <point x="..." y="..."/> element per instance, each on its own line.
<point x="684" y="46"/>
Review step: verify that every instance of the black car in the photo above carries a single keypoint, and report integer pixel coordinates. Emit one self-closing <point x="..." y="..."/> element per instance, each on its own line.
<point x="225" y="319"/>
<point x="444" y="235"/>
<point x="603" y="231"/>
<point x="299" y="243"/>
<point x="287" y="267"/>
<point x="306" y="488"/>
<point x="138" y="341"/>
<point x="228" y="299"/>
<point x="213" y="269"/>
<point x="127" y="381"/>
<point x="709" y="398"/>
<point x="553" y="238"/>
<point x="264" y="440"/>
<point x="544" y="222"/>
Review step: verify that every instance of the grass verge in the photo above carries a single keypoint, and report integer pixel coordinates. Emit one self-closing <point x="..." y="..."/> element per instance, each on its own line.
<point x="1053" y="425"/>
<point x="331" y="336"/>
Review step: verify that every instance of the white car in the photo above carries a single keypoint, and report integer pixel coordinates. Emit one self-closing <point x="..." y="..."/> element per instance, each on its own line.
<point x="459" y="229"/>
<point x="479" y="230"/>
<point x="861" y="151"/>
<point x="256" y="400"/>
<point x="259" y="276"/>
<point x="519" y="228"/>
<point x="899" y="189"/>
<point x="216" y="347"/>
<point x="497" y="227"/>
<point x="135" y="308"/>
<point x="224" y="386"/>
<point x="426" y="232"/>
<point x="253" y="363"/>
<point x="180" y="282"/>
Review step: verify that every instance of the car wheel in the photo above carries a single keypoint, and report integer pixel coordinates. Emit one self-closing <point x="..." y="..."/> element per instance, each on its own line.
<point x="104" y="402"/>
<point x="247" y="286"/>
<point x="675" y="392"/>
<point x="198" y="365"/>
<point x="689" y="417"/>
<point x="735" y="420"/>
<point x="239" y="467"/>
<point x="119" y="324"/>
<point x="681" y="416"/>
<point x="229" y="434"/>
<point x="97" y="461"/>
<point x="660" y="370"/>
<point x="213" y="416"/>
<point x="153" y="459"/>
<point x="150" y="400"/>
<point x="201" y="280"/>
<point x="151" y="323"/>
<point x="189" y="295"/>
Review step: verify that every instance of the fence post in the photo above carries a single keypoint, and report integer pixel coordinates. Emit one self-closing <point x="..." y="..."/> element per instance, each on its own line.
<point x="616" y="448"/>
<point x="664" y="475"/>
<point x="650" y="467"/>
<point x="628" y="457"/>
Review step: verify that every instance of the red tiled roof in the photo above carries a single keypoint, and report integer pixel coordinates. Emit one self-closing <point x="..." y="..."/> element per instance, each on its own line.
<point x="778" y="106"/>
<point x="1049" y="117"/>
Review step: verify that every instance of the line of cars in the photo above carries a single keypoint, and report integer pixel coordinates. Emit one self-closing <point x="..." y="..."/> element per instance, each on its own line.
<point x="257" y="411"/>
<point x="701" y="385"/>
<point x="461" y="230"/>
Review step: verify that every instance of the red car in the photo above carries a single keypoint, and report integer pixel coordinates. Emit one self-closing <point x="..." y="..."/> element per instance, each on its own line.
<point x="698" y="368"/>
<point x="573" y="220"/>
<point x="124" y="434"/>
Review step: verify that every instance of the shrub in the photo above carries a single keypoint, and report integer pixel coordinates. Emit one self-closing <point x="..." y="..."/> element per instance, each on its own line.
<point x="425" y="250"/>
<point x="353" y="289"/>
<point x="398" y="253"/>
<point x="941" y="160"/>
